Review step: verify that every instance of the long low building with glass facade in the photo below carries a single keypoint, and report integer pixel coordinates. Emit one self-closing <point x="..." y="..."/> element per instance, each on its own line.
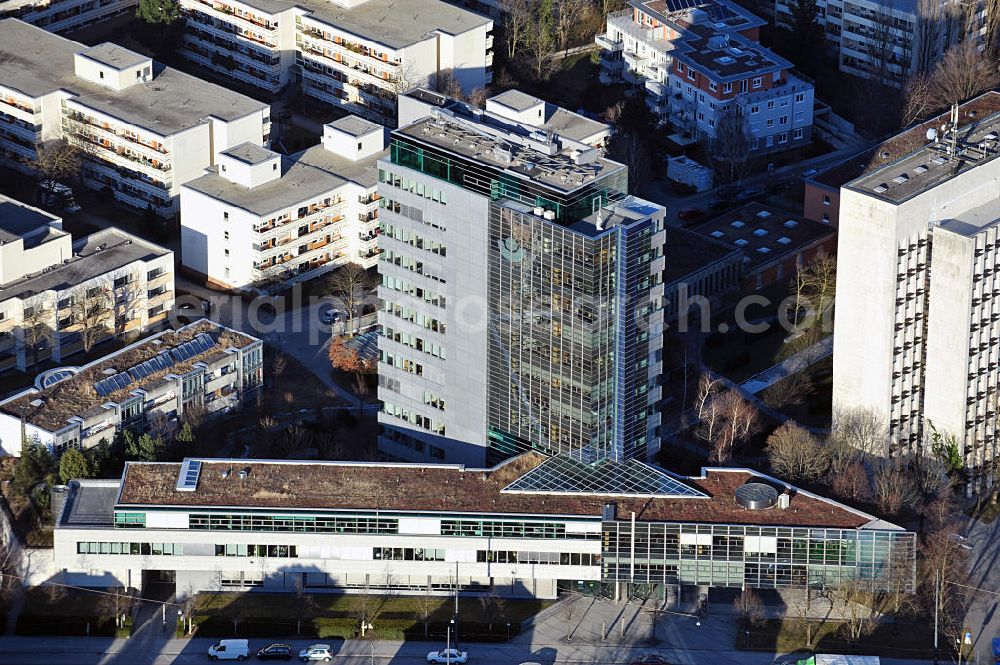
<point x="532" y="526"/>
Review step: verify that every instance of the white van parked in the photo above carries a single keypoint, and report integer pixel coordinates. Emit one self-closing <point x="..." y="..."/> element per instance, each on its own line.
<point x="229" y="650"/>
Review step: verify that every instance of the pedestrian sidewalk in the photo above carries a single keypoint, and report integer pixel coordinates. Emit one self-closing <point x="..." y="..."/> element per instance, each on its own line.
<point x="791" y="365"/>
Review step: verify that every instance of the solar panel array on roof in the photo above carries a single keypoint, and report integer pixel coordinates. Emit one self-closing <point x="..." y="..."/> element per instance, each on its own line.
<point x="201" y="343"/>
<point x="158" y="362"/>
<point x="105" y="387"/>
<point x="187" y="479"/>
<point x="719" y="12"/>
<point x="161" y="361"/>
<point x="679" y="5"/>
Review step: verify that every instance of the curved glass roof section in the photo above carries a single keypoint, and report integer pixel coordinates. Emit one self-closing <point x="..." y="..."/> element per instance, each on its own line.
<point x="564" y="475"/>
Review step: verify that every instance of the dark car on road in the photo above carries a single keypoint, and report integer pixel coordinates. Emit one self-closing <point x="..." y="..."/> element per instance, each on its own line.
<point x="650" y="659"/>
<point x="749" y="194"/>
<point x="276" y="652"/>
<point x="691" y="214"/>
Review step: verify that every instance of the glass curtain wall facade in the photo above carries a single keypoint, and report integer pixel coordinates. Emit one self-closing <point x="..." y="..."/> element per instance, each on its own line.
<point x="721" y="555"/>
<point x="564" y="350"/>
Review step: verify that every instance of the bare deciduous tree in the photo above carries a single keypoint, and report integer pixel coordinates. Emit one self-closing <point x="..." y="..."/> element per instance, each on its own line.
<point x="963" y="73"/>
<point x="789" y="391"/>
<point x="633" y="151"/>
<point x="991" y="28"/>
<point x="447" y="84"/>
<point x="92" y="310"/>
<point x="798" y="603"/>
<point x="919" y="99"/>
<point x="575" y="21"/>
<point x="850" y="481"/>
<point x="855" y="598"/>
<point x="749" y="608"/>
<point x="863" y="429"/>
<point x="541" y="46"/>
<point x="892" y="486"/>
<point x="36" y="329"/>
<point x="494" y="608"/>
<point x="930" y="20"/>
<point x="350" y="285"/>
<point x="741" y="420"/>
<point x="517" y="17"/>
<point x="478" y="97"/>
<point x="57" y="160"/>
<point x="818" y="287"/>
<point x="796" y="454"/>
<point x="129" y="298"/>
<point x="730" y="150"/>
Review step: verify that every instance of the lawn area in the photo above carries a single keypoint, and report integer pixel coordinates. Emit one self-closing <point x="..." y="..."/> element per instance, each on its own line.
<point x="902" y="640"/>
<point x="575" y="85"/>
<point x="295" y="386"/>
<point x="739" y="354"/>
<point x="806" y="397"/>
<point x="52" y="610"/>
<point x="338" y="615"/>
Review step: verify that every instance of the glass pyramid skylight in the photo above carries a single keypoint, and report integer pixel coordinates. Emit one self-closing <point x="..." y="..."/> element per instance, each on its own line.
<point x="565" y="475"/>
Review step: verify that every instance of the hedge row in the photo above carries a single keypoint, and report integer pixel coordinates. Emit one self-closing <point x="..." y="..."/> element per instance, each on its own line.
<point x="347" y="628"/>
<point x="28" y="624"/>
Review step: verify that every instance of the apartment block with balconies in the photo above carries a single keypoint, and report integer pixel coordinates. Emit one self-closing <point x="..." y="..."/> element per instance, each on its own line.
<point x="59" y="297"/>
<point x="696" y="64"/>
<point x="63" y="15"/>
<point x="362" y="56"/>
<point x="144" y="129"/>
<point x="258" y="220"/>
<point x="891" y="40"/>
<point x="358" y="55"/>
<point x="251" y="43"/>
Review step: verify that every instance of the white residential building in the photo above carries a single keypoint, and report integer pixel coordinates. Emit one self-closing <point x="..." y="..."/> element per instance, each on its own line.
<point x="59" y="297"/>
<point x="202" y="365"/>
<point x="357" y="54"/>
<point x="698" y="63"/>
<point x="257" y="218"/>
<point x="361" y="55"/>
<point x="63" y="15"/>
<point x="891" y="39"/>
<point x="145" y="129"/>
<point x="918" y="298"/>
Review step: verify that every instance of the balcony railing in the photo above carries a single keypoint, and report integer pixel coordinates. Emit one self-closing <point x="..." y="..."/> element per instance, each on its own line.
<point x="81" y="122"/>
<point x="226" y="13"/>
<point x="609" y="44"/>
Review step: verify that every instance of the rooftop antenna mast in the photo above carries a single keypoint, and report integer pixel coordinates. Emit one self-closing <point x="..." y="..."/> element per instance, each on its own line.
<point x="954" y="128"/>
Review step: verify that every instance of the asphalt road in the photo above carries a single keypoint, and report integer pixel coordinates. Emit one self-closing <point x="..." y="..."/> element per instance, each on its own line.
<point x="983" y="617"/>
<point x="98" y="651"/>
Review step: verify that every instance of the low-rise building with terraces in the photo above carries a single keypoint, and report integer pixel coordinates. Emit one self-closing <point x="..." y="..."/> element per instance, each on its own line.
<point x="203" y="366"/>
<point x="531" y="527"/>
<point x="59" y="297"/>
<point x="258" y="218"/>
<point x="699" y="66"/>
<point x="144" y="129"/>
